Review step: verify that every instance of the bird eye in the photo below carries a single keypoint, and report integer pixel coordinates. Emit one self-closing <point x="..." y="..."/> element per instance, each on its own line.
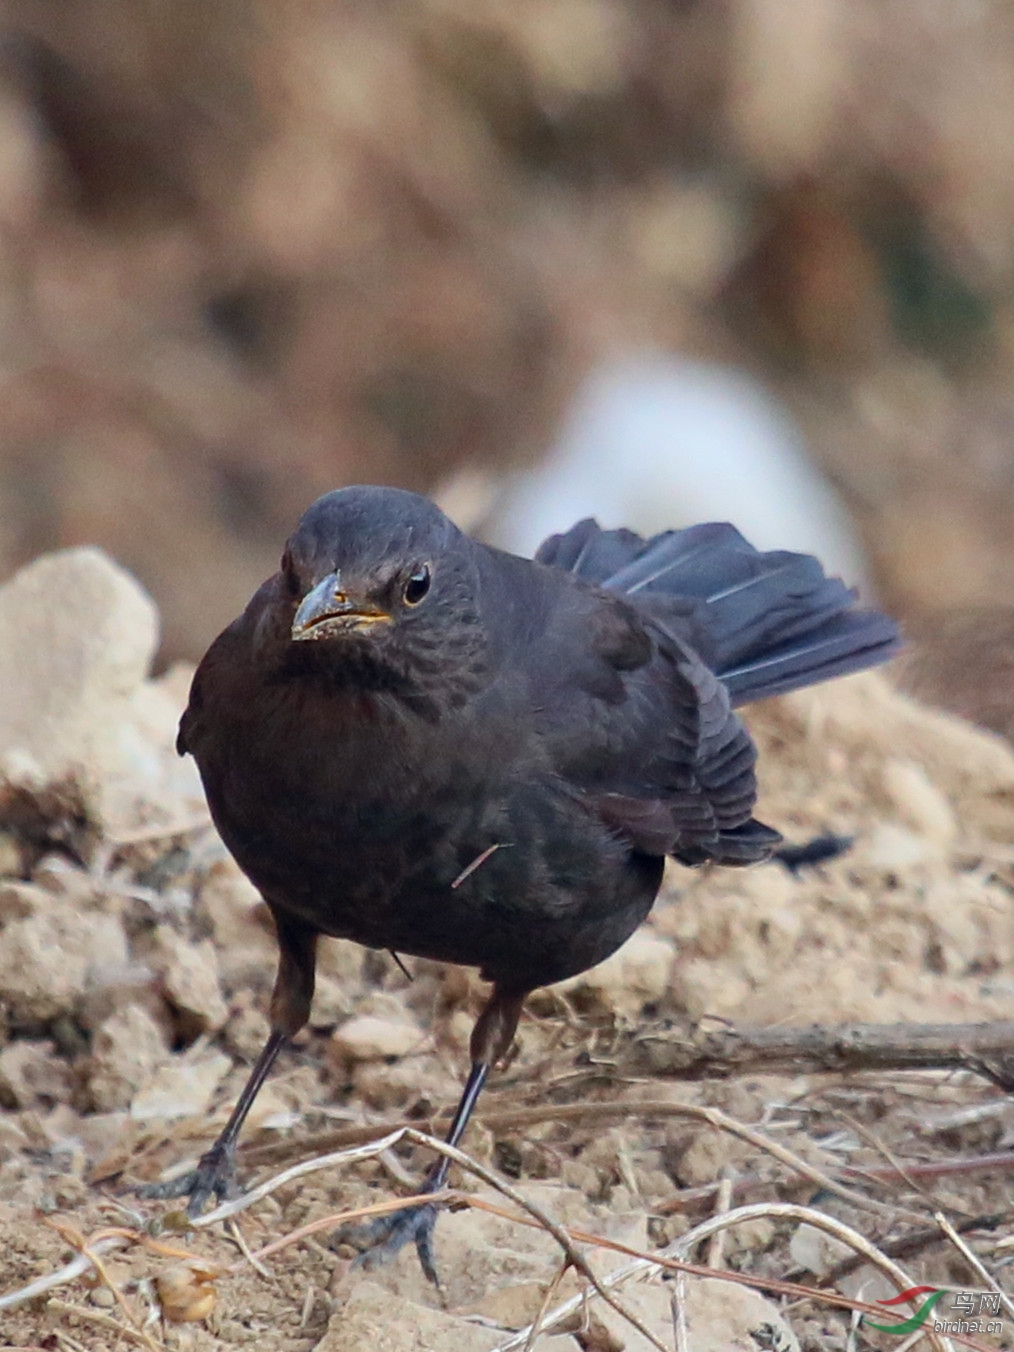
<point x="417" y="585"/>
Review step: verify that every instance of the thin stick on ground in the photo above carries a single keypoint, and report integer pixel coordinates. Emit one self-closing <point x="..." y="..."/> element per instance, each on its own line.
<point x="77" y="1267"/>
<point x="669" y="1257"/>
<point x="360" y="1213"/>
<point x="103" y="1321"/>
<point x="716" y="1245"/>
<point x="909" y="1343"/>
<point x="231" y="1228"/>
<point x="678" y="1305"/>
<point x="1001" y="1160"/>
<point x="77" y="1241"/>
<point x="311" y="1166"/>
<point x="721" y="1122"/>
<point x="986" y="1049"/>
<point x="872" y="1139"/>
<point x="64" y="1340"/>
<point x="518" y="1119"/>
<point x="974" y="1261"/>
<point x="547" y="1300"/>
<point x="911" y="1244"/>
<point x="573" y="1255"/>
<point x="118" y="1239"/>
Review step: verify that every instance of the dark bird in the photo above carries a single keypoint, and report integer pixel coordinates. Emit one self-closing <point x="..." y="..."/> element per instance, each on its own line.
<point x="426" y="745"/>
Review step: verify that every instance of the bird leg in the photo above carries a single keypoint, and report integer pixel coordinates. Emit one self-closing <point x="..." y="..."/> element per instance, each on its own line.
<point x="491" y="1039"/>
<point x="215" y="1174"/>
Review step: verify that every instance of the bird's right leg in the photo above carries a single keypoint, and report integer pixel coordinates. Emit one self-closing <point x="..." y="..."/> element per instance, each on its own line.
<point x="215" y="1174"/>
<point x="491" y="1040"/>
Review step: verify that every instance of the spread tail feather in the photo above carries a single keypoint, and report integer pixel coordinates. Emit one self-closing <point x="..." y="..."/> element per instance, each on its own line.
<point x="765" y="623"/>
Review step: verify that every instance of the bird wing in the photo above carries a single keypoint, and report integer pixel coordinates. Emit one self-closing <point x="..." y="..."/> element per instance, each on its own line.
<point x="727" y="624"/>
<point x="635" y="719"/>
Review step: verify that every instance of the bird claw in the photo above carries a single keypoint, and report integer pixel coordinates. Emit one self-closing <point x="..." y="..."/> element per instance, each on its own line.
<point x="387" y="1236"/>
<point x="214" y="1177"/>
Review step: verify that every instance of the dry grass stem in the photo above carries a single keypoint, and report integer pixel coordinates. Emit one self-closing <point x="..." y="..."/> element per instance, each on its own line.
<point x="520" y="1118"/>
<point x="575" y="1258"/>
<point x="77" y="1267"/>
<point x="715" y="1118"/>
<point x="973" y="1261"/>
<point x="716" y="1245"/>
<point x="231" y="1228"/>
<point x="547" y="1300"/>
<point x="104" y="1321"/>
<point x="681" y="1332"/>
<point x="78" y="1241"/>
<point x="310" y="1166"/>
<point x="346" y="1217"/>
<point x="669" y="1258"/>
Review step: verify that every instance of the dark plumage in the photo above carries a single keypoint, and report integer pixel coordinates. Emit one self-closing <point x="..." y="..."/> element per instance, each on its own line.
<point x="399" y="699"/>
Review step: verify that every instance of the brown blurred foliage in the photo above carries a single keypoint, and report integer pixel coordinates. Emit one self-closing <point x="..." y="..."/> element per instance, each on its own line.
<point x="252" y="251"/>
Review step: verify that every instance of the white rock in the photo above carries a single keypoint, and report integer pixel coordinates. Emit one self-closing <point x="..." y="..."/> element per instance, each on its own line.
<point x="340" y="959"/>
<point x="246" y="946"/>
<point x="652" y="1304"/>
<point x="182" y="1087"/>
<point x="371" y="1317"/>
<point x="816" y="1250"/>
<point x="230" y="901"/>
<point x="707" y="1157"/>
<point x="721" y="1315"/>
<point x="14" y="1138"/>
<point x="636" y="975"/>
<point x="112" y="985"/>
<point x="32" y="1069"/>
<point x="333" y="1002"/>
<point x="702" y="987"/>
<point x="19" y="900"/>
<point x="46" y="957"/>
<point x="77" y="635"/>
<point x="368" y="1038"/>
<point x="126" y="1051"/>
<point x="477" y="1253"/>
<point x="188" y="974"/>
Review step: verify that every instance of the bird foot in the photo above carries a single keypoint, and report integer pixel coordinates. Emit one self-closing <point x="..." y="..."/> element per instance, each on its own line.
<point x="214" y="1176"/>
<point x="385" y="1237"/>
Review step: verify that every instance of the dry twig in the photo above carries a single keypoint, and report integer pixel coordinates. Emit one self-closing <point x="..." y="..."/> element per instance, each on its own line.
<point x="985" y="1048"/>
<point x="973" y="1261"/>
<point x="668" y="1258"/>
<point x="103" y="1321"/>
<point x="77" y="1267"/>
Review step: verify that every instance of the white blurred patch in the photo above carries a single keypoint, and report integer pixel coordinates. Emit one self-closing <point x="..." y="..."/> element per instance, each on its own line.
<point x="655" y="442"/>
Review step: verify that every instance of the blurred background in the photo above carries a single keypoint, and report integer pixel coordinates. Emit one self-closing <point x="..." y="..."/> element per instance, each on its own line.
<point x="660" y="260"/>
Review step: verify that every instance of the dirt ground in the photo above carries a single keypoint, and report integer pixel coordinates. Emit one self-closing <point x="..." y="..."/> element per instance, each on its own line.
<point x="136" y="964"/>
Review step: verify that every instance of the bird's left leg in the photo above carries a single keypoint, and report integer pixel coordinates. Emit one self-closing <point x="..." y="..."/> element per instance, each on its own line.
<point x="491" y="1039"/>
<point x="215" y="1174"/>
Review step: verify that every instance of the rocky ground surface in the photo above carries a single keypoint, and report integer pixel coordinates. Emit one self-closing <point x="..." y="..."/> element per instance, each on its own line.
<point x="135" y="967"/>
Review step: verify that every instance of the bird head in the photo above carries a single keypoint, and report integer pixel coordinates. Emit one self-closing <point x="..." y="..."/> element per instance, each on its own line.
<point x="379" y="583"/>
